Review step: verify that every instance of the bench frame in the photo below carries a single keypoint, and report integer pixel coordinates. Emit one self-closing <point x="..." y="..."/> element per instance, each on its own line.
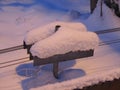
<point x="57" y="58"/>
<point x="60" y="58"/>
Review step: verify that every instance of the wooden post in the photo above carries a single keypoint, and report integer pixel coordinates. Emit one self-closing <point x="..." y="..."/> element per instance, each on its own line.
<point x="101" y="11"/>
<point x="93" y="5"/>
<point x="55" y="69"/>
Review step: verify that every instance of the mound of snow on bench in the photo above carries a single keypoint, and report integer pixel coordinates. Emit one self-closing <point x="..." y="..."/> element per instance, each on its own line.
<point x="49" y="29"/>
<point x="64" y="41"/>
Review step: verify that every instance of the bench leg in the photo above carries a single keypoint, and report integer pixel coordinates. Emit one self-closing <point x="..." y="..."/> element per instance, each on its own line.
<point x="24" y="44"/>
<point x="30" y="57"/>
<point x="28" y="49"/>
<point x="55" y="69"/>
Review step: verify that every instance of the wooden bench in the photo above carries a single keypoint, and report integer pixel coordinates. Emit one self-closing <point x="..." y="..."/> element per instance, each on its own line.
<point x="58" y="58"/>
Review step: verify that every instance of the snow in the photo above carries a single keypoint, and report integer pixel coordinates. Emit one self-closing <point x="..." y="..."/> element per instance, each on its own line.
<point x="101" y="23"/>
<point x="15" y="21"/>
<point x="16" y="1"/>
<point x="45" y="31"/>
<point x="64" y="41"/>
<point x="84" y="81"/>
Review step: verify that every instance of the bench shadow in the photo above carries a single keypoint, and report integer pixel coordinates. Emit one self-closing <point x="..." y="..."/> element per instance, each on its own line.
<point x="25" y="70"/>
<point x="28" y="69"/>
<point x="70" y="74"/>
<point x="45" y="75"/>
<point x="62" y="65"/>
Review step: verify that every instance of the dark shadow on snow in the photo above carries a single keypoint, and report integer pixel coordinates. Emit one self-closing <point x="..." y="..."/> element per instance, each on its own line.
<point x="25" y="69"/>
<point x="62" y="65"/>
<point x="71" y="74"/>
<point x="44" y="78"/>
<point x="45" y="74"/>
<point x="28" y="68"/>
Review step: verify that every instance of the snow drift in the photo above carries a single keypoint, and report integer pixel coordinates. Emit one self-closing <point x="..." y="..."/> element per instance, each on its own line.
<point x="81" y="82"/>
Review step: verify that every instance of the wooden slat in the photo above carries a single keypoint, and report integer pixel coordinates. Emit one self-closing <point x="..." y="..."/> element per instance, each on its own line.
<point x="11" y="49"/>
<point x="62" y="57"/>
<point x="107" y="31"/>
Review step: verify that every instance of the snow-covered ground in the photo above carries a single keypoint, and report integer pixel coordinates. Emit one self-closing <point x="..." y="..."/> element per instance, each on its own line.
<point x="17" y="17"/>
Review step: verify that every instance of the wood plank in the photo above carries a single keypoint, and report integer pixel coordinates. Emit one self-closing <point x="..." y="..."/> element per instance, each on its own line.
<point x="63" y="57"/>
<point x="55" y="69"/>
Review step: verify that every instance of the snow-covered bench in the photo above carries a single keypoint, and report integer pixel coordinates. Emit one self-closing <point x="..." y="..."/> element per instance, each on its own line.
<point x="45" y="31"/>
<point x="66" y="44"/>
